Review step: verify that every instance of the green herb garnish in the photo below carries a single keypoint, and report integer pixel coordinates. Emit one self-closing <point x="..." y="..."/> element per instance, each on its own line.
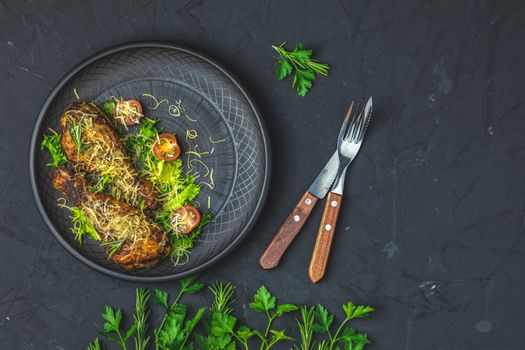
<point x="81" y="224"/>
<point x="108" y="107"/>
<point x="75" y="130"/>
<point x="306" y="328"/>
<point x="95" y="345"/>
<point x="102" y="183"/>
<point x="112" y="327"/>
<point x="224" y="331"/>
<point x="113" y="246"/>
<point x="51" y="142"/>
<point x="140" y="318"/>
<point x="305" y="67"/>
<point x="344" y="335"/>
<point x="174" y="331"/>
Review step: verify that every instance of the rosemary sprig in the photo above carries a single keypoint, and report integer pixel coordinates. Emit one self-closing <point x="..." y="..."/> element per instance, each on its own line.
<point x="75" y="130"/>
<point x="306" y="328"/>
<point x="222" y="297"/>
<point x="140" y="318"/>
<point x="113" y="246"/>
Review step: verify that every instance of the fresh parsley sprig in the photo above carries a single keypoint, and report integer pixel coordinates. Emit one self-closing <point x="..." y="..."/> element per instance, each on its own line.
<point x="173" y="333"/>
<point x="112" y="327"/>
<point x="349" y="337"/>
<point x="265" y="302"/>
<point x="305" y="67"/>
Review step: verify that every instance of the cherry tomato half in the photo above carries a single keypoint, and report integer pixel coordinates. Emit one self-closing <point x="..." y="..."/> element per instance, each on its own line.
<point x="128" y="112"/>
<point x="186" y="219"/>
<point x="166" y="147"/>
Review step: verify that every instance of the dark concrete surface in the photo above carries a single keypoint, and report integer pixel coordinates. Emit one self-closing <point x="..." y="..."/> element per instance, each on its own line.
<point x="431" y="232"/>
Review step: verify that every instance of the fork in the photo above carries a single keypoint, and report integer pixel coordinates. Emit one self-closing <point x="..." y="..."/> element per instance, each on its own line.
<point x="348" y="144"/>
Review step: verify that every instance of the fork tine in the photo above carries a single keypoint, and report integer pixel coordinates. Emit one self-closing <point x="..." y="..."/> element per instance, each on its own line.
<point x="359" y="129"/>
<point x="353" y="120"/>
<point x="365" y="121"/>
<point x="352" y="130"/>
<point x="344" y="127"/>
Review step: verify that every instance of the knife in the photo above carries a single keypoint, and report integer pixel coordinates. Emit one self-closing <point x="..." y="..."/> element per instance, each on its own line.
<point x="295" y="221"/>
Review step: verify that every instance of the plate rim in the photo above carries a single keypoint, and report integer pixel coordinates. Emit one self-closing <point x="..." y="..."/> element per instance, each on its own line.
<point x="36" y="133"/>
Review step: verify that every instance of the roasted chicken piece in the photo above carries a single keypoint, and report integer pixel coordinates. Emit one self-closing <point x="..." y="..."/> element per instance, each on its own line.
<point x="136" y="241"/>
<point x="91" y="144"/>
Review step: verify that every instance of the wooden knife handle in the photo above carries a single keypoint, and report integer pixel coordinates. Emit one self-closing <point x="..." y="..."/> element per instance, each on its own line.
<point x="288" y="231"/>
<point x="324" y="237"/>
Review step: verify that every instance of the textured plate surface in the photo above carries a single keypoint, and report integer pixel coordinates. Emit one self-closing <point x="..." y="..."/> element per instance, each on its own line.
<point x="213" y="103"/>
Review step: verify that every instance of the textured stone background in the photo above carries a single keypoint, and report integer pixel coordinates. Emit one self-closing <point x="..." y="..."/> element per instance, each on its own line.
<point x="432" y="227"/>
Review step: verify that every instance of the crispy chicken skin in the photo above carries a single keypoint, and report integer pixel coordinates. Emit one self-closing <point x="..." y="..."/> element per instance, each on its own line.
<point x="144" y="243"/>
<point x="103" y="152"/>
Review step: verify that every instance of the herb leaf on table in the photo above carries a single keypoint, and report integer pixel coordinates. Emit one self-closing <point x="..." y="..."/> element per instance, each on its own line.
<point x="224" y="331"/>
<point x="140" y="318"/>
<point x="112" y="330"/>
<point x="264" y="301"/>
<point x="305" y="67"/>
<point x="349" y="337"/>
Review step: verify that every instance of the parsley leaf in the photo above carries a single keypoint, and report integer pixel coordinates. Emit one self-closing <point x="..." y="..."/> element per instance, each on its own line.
<point x="263" y="300"/>
<point x="324" y="318"/>
<point x="353" y="311"/>
<point x="283" y="69"/>
<point x="160" y="297"/>
<point x="187" y="285"/>
<point x="283" y="308"/>
<point x="112" y="329"/>
<point x="303" y="81"/>
<point x="353" y="340"/>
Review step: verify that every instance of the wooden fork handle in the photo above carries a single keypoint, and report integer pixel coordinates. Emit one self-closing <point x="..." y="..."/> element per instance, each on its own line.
<point x="324" y="237"/>
<point x="288" y="231"/>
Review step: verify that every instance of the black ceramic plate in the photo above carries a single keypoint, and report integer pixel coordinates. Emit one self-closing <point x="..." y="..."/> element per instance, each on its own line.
<point x="212" y="102"/>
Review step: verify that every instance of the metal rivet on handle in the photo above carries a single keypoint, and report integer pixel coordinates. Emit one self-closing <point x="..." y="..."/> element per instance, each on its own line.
<point x="334" y="204"/>
<point x="308" y="201"/>
<point x="296" y="218"/>
<point x="328" y="227"/>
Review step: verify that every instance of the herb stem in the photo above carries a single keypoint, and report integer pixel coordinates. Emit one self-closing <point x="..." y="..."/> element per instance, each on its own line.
<point x="157" y="331"/>
<point x="265" y="344"/>
<point x="333" y="340"/>
<point x="243" y="342"/>
<point x="121" y="341"/>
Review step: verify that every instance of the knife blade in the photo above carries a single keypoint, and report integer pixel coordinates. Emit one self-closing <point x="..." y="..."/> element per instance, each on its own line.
<point x="325" y="179"/>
